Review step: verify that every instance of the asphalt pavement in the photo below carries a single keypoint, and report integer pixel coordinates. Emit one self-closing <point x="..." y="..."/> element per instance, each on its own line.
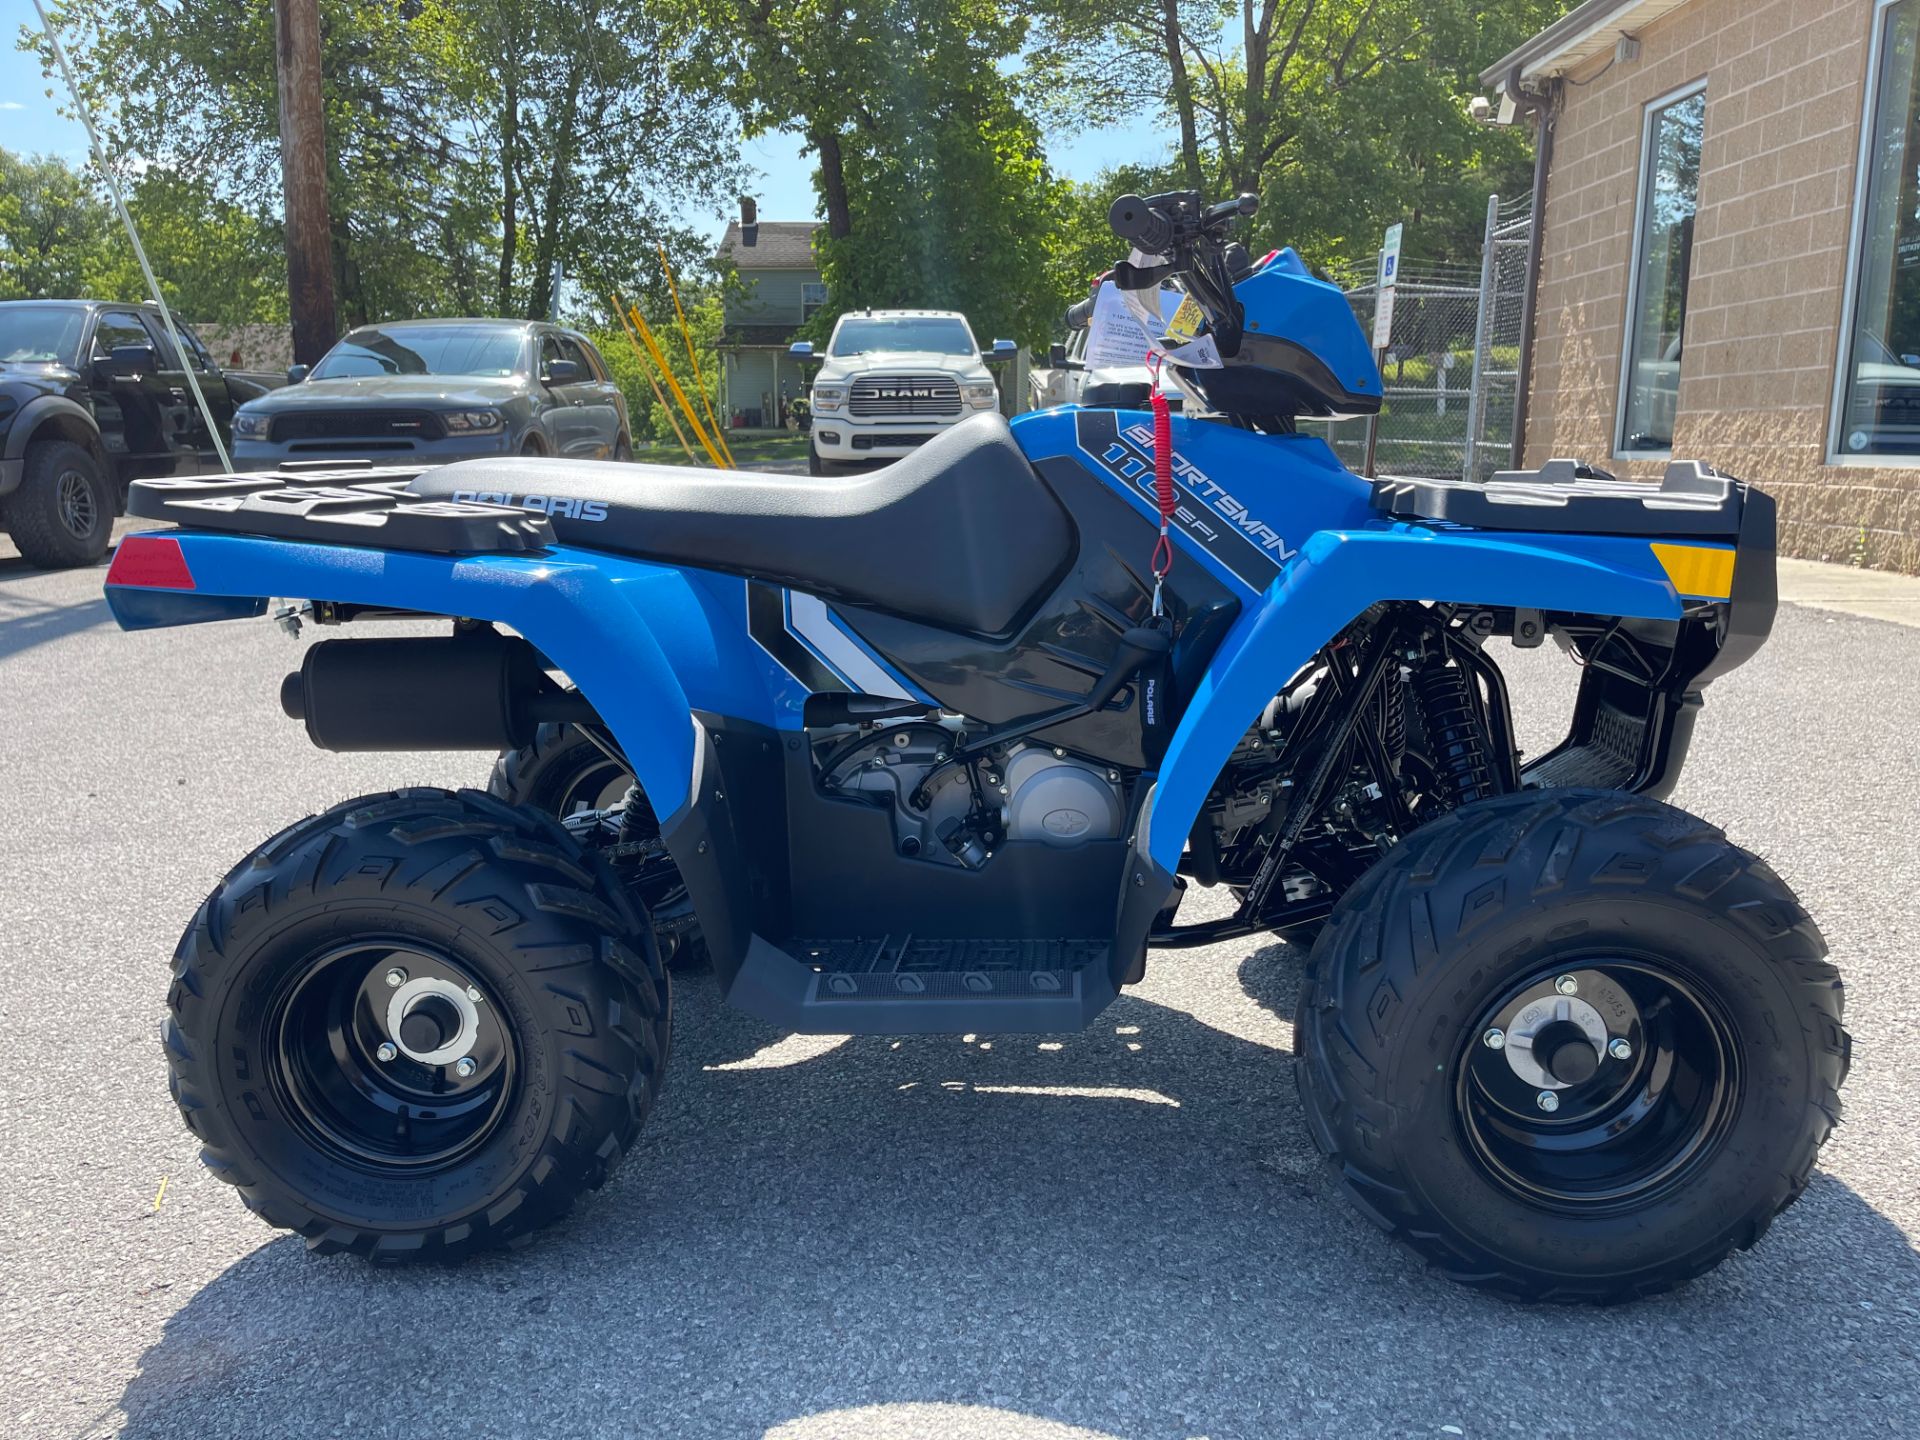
<point x="1118" y="1233"/>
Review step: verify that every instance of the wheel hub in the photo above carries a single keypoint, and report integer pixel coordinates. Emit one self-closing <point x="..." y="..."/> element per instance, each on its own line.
<point x="75" y="498"/>
<point x="1555" y="1041"/>
<point x="1596" y="1085"/>
<point x="433" y="1020"/>
<point x="406" y="1075"/>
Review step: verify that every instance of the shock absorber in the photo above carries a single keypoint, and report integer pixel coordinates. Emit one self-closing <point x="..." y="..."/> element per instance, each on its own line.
<point x="1390" y="715"/>
<point x="1454" y="731"/>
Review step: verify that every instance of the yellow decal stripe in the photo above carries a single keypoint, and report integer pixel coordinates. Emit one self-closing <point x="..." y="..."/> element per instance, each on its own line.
<point x="1704" y="571"/>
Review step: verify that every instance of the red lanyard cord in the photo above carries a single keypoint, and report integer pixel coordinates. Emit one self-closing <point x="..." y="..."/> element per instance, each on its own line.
<point x="1163" y="489"/>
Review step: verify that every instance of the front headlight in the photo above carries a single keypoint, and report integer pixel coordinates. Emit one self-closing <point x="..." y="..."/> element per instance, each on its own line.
<point x="475" y="422"/>
<point x="829" y="397"/>
<point x="251" y="427"/>
<point x="981" y="397"/>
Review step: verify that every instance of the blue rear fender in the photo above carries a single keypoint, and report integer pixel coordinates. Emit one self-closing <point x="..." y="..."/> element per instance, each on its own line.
<point x="644" y="643"/>
<point x="1336" y="576"/>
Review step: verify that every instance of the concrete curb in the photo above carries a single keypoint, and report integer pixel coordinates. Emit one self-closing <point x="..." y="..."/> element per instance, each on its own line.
<point x="1874" y="594"/>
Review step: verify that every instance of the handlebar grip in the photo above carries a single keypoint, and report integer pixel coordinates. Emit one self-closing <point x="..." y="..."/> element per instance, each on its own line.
<point x="1079" y="315"/>
<point x="1138" y="223"/>
<point x="1241" y="207"/>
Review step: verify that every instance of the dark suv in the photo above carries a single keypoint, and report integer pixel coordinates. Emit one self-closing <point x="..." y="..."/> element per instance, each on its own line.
<point x="440" y="390"/>
<point x="93" y="396"/>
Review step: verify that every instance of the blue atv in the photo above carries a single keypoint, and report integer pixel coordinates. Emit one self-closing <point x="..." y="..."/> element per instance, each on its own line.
<point x="940" y="748"/>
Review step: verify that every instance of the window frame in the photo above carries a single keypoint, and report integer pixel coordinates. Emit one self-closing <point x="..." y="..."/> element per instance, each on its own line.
<point x="1856" y="246"/>
<point x="1629" y="321"/>
<point x="826" y="298"/>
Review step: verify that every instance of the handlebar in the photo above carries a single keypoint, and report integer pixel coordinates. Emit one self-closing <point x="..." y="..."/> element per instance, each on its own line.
<point x="1189" y="238"/>
<point x="1161" y="224"/>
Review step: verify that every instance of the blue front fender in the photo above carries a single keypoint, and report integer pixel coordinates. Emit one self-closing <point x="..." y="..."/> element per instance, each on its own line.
<point x="1336" y="576"/>
<point x="634" y="638"/>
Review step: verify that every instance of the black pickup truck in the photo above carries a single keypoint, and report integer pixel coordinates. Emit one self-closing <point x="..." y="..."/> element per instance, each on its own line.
<point x="92" y="397"/>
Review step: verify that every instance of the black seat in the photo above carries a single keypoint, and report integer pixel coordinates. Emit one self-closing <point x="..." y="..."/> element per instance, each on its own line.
<point x="961" y="533"/>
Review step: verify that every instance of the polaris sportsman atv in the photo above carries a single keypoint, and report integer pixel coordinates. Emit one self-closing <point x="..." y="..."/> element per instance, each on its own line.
<point x="940" y="748"/>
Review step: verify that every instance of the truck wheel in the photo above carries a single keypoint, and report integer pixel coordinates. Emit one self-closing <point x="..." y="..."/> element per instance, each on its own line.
<point x="562" y="773"/>
<point x="61" y="516"/>
<point x="1571" y="1046"/>
<point x="815" y="465"/>
<point x="420" y="1024"/>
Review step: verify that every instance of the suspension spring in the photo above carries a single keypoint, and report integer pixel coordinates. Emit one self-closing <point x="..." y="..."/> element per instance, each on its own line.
<point x="1390" y="717"/>
<point x="1455" y="731"/>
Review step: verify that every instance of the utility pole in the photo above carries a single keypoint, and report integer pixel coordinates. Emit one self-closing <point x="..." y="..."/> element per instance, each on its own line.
<point x="303" y="178"/>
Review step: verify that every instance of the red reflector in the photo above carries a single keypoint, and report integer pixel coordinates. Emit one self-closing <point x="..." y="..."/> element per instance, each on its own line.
<point x="152" y="562"/>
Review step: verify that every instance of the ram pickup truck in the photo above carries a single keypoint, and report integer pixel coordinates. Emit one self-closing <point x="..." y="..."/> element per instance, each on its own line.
<point x="890" y="380"/>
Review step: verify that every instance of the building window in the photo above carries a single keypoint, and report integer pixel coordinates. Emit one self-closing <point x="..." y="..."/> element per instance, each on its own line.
<point x="813" y="297"/>
<point x="1662" y="258"/>
<point x="1877" y="406"/>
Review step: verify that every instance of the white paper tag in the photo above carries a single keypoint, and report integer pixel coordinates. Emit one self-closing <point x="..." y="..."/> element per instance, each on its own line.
<point x="1114" y="337"/>
<point x="1127" y="324"/>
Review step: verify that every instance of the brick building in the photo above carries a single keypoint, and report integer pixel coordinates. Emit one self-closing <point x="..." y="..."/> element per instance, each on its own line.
<point x="1729" y="264"/>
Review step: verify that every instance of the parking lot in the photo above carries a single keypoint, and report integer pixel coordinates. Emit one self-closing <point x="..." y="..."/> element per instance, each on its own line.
<point x="1119" y="1233"/>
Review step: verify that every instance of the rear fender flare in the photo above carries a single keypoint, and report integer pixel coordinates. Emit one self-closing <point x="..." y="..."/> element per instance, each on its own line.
<point x="1337" y="575"/>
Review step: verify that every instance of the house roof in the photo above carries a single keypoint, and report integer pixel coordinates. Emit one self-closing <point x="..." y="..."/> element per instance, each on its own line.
<point x="777" y="245"/>
<point x="1578" y="36"/>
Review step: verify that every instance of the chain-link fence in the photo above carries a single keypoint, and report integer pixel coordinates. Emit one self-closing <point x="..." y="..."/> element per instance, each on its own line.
<point x="1452" y="362"/>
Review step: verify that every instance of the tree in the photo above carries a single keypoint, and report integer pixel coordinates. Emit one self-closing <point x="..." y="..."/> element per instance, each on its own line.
<point x="59" y="237"/>
<point x="54" y="227"/>
<point x="472" y="145"/>
<point x="1342" y="115"/>
<point x="931" y="171"/>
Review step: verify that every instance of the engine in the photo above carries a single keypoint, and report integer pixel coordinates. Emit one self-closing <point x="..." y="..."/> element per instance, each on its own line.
<point x="953" y="807"/>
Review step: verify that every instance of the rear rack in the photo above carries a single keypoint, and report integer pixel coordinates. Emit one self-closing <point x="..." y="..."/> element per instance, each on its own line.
<point x="1692" y="499"/>
<point x="340" y="505"/>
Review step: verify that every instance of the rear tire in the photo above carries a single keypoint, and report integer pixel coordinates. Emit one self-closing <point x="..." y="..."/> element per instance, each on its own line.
<point x="1674" y="1136"/>
<point x="507" y="939"/>
<point x="61" y="516"/>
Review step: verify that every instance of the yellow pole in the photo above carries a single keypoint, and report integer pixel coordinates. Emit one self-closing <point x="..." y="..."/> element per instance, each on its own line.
<point x="686" y="334"/>
<point x="647" y="370"/>
<point x="673" y="384"/>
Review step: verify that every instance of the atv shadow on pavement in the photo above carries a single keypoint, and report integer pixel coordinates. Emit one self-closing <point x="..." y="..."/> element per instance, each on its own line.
<point x="1125" y="1231"/>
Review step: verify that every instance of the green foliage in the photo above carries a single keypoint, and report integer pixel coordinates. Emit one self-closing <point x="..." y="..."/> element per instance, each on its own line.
<point x="1343" y="115"/>
<point x="960" y="215"/>
<point x="471" y="144"/>
<point x="53" y="228"/>
<point x="704" y="319"/>
<point x="59" y="236"/>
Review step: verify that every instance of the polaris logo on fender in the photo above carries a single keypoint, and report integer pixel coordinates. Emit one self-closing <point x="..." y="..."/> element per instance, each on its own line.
<point x="564" y="506"/>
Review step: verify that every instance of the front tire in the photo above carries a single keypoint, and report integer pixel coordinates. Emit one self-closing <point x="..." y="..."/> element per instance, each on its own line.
<point x="563" y="773"/>
<point x="420" y="1024"/>
<point x="1571" y="1046"/>
<point x="61" y="516"/>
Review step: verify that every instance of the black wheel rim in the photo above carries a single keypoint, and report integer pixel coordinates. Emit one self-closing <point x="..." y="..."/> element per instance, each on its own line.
<point x="1598" y="1085"/>
<point x="409" y="1074"/>
<point x="75" y="503"/>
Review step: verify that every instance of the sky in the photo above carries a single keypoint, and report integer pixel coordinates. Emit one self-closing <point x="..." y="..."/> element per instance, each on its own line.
<point x="783" y="186"/>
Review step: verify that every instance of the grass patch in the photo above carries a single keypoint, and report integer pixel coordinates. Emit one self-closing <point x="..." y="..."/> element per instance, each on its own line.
<point x="747" y="450"/>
